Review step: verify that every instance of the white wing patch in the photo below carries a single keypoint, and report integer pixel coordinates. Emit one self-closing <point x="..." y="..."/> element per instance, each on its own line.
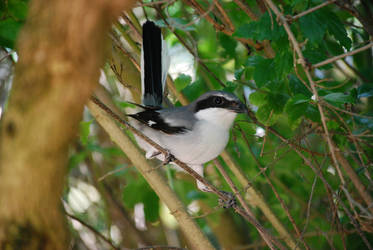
<point x="151" y="123"/>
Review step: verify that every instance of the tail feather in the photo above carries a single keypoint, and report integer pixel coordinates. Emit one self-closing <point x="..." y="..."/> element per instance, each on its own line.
<point x="153" y="76"/>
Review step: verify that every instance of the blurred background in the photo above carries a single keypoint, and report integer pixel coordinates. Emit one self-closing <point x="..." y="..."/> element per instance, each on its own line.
<point x="279" y="157"/>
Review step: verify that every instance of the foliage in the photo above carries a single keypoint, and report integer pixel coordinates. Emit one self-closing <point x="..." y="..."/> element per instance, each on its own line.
<point x="12" y="17"/>
<point x="291" y="162"/>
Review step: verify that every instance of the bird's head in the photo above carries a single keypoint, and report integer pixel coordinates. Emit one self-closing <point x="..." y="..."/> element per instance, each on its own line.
<point x="218" y="107"/>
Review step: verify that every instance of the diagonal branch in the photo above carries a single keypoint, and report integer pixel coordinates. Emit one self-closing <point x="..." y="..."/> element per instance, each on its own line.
<point x="296" y="17"/>
<point x="271" y="241"/>
<point x="336" y="58"/>
<point x="99" y="235"/>
<point x="154" y="178"/>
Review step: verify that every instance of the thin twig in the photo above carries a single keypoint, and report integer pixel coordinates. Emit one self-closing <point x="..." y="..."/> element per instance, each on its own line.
<point x="159" y="2"/>
<point x="276" y="193"/>
<point x="93" y="230"/>
<point x="246" y="9"/>
<point x="362" y="209"/>
<point x="111" y="173"/>
<point x="226" y="26"/>
<point x="319" y="173"/>
<point x="125" y="52"/>
<point x="344" y="111"/>
<point x="160" y="248"/>
<point x="357" y="146"/>
<point x="237" y="193"/>
<point x="309" y="207"/>
<point x="296" y="17"/>
<point x="336" y="58"/>
<point x="132" y="26"/>
<point x="303" y="63"/>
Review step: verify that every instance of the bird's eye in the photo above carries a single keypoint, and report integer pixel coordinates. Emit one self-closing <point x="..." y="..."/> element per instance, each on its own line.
<point x="218" y="100"/>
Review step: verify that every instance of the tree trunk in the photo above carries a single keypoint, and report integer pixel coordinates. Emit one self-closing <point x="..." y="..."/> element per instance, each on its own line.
<point x="60" y="51"/>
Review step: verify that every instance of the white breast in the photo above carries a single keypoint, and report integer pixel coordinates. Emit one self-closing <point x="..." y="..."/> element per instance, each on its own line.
<point x="203" y="143"/>
<point x="206" y="141"/>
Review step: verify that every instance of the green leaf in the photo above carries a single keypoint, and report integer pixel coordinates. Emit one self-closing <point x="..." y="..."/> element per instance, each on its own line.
<point x="365" y="90"/>
<point x="246" y="30"/>
<point x="338" y="98"/>
<point x="238" y="73"/>
<point x="336" y="28"/>
<point x="84" y="131"/>
<point x="18" y="9"/>
<point x="297" y="87"/>
<point x="229" y="44"/>
<point x="258" y="98"/>
<point x="76" y="159"/>
<point x="268" y="29"/>
<point x="9" y="29"/>
<point x="312" y="113"/>
<point x="332" y="125"/>
<point x="266" y="115"/>
<point x="230" y="86"/>
<point x="196" y="195"/>
<point x="263" y="29"/>
<point x="263" y="70"/>
<point x="277" y="101"/>
<point x="283" y="64"/>
<point x="315" y="55"/>
<point x="133" y="187"/>
<point x="299" y="5"/>
<point x="182" y="81"/>
<point x="296" y="106"/>
<point x="312" y="27"/>
<point x="334" y="47"/>
<point x="138" y="190"/>
<point x="248" y="128"/>
<point x="151" y="206"/>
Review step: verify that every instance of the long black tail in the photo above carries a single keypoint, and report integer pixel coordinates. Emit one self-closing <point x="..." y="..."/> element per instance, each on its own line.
<point x="152" y="65"/>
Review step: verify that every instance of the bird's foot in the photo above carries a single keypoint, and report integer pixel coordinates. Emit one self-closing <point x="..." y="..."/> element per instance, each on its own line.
<point x="168" y="158"/>
<point x="230" y="200"/>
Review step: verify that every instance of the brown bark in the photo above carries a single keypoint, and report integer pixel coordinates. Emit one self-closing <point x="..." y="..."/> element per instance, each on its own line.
<point x="60" y="49"/>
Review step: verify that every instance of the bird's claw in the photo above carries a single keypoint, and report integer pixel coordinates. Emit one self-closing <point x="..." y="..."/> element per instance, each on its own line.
<point x="229" y="202"/>
<point x="168" y="158"/>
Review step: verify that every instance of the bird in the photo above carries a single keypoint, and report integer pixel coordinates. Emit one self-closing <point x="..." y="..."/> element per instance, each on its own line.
<point x="195" y="133"/>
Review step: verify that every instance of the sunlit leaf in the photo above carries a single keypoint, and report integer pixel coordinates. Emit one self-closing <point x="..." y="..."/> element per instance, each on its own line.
<point x="338" y="98"/>
<point x="258" y="98"/>
<point x="182" y="81"/>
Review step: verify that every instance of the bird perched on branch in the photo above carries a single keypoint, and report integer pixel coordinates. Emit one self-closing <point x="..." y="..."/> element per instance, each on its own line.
<point x="195" y="133"/>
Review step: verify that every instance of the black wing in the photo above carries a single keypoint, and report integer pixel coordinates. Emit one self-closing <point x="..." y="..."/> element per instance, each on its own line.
<point x="153" y="119"/>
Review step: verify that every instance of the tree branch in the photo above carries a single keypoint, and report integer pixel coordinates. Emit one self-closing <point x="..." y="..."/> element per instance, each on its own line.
<point x="313" y="9"/>
<point x="188" y="226"/>
<point x="266" y="236"/>
<point x="336" y="58"/>
<point x="100" y="235"/>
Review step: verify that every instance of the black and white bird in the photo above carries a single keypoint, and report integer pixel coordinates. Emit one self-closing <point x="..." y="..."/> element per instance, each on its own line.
<point x="194" y="134"/>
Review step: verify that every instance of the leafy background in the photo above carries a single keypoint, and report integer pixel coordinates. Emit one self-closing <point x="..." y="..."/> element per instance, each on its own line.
<point x="281" y="149"/>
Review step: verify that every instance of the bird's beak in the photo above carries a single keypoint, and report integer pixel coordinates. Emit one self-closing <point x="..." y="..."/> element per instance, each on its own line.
<point x="239" y="107"/>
